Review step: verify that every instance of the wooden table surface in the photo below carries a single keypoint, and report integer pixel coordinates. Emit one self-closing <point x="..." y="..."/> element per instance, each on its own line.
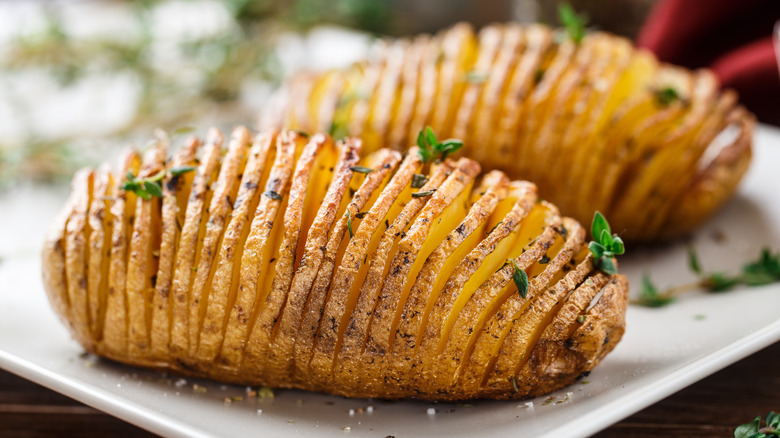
<point x="712" y="407"/>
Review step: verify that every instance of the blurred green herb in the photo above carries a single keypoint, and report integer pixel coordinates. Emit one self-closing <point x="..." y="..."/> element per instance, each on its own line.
<point x="361" y="169"/>
<point x="754" y="429"/>
<point x="605" y="245"/>
<point x="666" y="96"/>
<point x="762" y="271"/>
<point x="573" y="23"/>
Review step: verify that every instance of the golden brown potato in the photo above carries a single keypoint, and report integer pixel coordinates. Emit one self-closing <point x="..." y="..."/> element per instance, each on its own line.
<point x="597" y="125"/>
<point x="289" y="261"/>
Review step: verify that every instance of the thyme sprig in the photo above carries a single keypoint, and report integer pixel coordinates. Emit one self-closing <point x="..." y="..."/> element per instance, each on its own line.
<point x="754" y="429"/>
<point x="666" y="96"/>
<point x="150" y="186"/>
<point x="605" y="245"/>
<point x="519" y="277"/>
<point x="762" y="271"/>
<point x="431" y="147"/>
<point x="575" y="24"/>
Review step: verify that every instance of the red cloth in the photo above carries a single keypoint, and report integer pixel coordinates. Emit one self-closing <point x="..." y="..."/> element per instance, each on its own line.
<point x="732" y="37"/>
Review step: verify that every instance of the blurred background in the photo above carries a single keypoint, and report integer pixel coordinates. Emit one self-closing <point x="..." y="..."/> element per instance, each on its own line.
<point x="80" y="79"/>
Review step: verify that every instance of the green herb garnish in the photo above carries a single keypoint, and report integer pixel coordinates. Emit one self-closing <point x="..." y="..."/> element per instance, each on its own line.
<point x="431" y="147"/>
<point x="349" y="223"/>
<point x="150" y="186"/>
<point x="520" y="278"/>
<point x="178" y="170"/>
<point x="423" y="194"/>
<point x="666" y="96"/>
<point x="418" y="181"/>
<point x="754" y="429"/>
<point x="604" y="245"/>
<point x="581" y="319"/>
<point x="763" y="271"/>
<point x="338" y="130"/>
<point x="650" y="296"/>
<point x="476" y="77"/>
<point x="182" y="130"/>
<point x="361" y="169"/>
<point x="573" y="23"/>
<point x="693" y="260"/>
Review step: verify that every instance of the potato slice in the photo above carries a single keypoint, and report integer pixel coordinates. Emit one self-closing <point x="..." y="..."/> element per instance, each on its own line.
<point x="319" y="297"/>
<point x="458" y="49"/>
<point x="467" y="323"/>
<point x="122" y="211"/>
<point x="99" y="248"/>
<point x="445" y="209"/>
<point x="141" y="265"/>
<point x="440" y="265"/>
<point x="281" y="351"/>
<point x="191" y="235"/>
<point x="475" y="269"/>
<point x="496" y="80"/>
<point x="225" y="278"/>
<point x="410" y="94"/>
<point x="220" y="207"/>
<point x="261" y="249"/>
<point x="176" y="190"/>
<point x="353" y="265"/>
<point x="526" y="318"/>
<point x="54" y="275"/>
<point x="490" y="40"/>
<point x="77" y="255"/>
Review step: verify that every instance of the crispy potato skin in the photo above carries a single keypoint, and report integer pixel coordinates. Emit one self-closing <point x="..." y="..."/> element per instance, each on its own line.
<point x="289" y="262"/>
<point x="583" y="121"/>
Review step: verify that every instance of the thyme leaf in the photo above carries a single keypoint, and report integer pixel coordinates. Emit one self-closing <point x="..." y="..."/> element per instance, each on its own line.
<point x="520" y="278"/>
<point x="423" y="194"/>
<point x="361" y="169"/>
<point x="418" y="181"/>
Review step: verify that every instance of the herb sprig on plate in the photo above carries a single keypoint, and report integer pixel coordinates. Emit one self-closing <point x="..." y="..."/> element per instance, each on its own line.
<point x="764" y="270"/>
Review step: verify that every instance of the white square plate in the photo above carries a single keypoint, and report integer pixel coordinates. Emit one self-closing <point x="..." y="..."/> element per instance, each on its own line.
<point x="663" y="351"/>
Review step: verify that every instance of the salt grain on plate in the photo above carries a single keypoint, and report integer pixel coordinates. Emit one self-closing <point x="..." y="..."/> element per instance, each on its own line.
<point x="431" y="411"/>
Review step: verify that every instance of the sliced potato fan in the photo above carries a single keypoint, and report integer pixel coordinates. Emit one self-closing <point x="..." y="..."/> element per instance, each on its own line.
<point x="598" y="125"/>
<point x="287" y="260"/>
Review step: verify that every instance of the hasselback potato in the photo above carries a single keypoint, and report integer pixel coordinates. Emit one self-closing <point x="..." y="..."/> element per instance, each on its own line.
<point x="598" y="125"/>
<point x="289" y="261"/>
